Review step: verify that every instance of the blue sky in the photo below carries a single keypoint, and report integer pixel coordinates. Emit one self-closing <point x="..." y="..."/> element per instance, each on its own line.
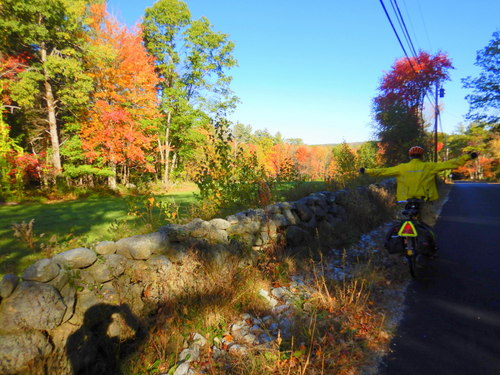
<point x="310" y="69"/>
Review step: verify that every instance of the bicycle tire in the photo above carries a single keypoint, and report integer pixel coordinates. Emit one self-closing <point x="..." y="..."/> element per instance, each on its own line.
<point x="412" y="259"/>
<point x="412" y="264"/>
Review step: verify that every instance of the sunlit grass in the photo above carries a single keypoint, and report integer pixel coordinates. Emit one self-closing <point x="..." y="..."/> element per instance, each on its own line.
<point x="68" y="223"/>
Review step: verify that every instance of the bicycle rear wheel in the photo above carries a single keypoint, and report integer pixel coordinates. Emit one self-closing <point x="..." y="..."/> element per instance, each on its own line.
<point x="411" y="255"/>
<point x="412" y="264"/>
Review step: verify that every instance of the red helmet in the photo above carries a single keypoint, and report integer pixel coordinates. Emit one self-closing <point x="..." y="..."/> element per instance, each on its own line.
<point x="416" y="150"/>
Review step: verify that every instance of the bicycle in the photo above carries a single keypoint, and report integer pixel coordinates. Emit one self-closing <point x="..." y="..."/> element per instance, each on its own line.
<point x="411" y="237"/>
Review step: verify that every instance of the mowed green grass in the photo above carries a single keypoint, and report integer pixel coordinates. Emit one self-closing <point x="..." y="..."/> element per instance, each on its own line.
<point x="85" y="222"/>
<point x="77" y="222"/>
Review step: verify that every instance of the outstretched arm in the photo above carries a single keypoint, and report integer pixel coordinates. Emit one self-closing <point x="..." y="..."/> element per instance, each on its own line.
<point x="383" y="172"/>
<point x="455" y="163"/>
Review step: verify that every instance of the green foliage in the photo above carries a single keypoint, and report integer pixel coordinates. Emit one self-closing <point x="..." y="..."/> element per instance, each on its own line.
<point x="153" y="212"/>
<point x="367" y="155"/>
<point x="7" y="147"/>
<point x="345" y="163"/>
<point x="227" y="178"/>
<point x="192" y="60"/>
<point x="485" y="98"/>
<point x="75" y="171"/>
<point x="50" y="34"/>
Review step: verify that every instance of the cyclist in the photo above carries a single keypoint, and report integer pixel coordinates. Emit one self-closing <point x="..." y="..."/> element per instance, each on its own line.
<point x="417" y="178"/>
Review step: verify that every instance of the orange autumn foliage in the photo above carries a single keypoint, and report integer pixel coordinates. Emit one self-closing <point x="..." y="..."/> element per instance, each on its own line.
<point x="119" y="127"/>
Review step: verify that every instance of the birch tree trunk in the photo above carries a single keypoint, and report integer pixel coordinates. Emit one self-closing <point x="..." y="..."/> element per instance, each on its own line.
<point x="166" y="155"/>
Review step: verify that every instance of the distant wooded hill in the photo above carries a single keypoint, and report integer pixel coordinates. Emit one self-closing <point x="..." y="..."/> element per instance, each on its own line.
<point x="353" y="145"/>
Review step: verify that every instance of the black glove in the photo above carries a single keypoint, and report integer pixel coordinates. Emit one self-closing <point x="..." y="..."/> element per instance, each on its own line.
<point x="362" y="170"/>
<point x="473" y="155"/>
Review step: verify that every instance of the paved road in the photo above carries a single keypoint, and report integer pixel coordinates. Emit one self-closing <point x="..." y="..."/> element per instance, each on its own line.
<point x="452" y="322"/>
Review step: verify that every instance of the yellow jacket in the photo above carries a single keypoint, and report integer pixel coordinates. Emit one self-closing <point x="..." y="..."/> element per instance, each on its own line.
<point x="417" y="179"/>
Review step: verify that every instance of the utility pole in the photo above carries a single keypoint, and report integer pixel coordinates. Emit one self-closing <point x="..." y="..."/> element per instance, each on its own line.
<point x="439" y="93"/>
<point x="436" y="115"/>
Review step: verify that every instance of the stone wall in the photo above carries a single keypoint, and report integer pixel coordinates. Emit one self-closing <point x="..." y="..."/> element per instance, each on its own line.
<point x="116" y="284"/>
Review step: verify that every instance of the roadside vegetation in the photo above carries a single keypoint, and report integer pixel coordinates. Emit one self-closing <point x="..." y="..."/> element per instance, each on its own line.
<point x="107" y="132"/>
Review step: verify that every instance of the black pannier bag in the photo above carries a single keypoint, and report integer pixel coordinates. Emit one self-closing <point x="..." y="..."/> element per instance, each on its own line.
<point x="426" y="240"/>
<point x="426" y="244"/>
<point x="393" y="243"/>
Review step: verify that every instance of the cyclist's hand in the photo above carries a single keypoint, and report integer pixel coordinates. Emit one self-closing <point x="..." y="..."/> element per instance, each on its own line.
<point x="362" y="170"/>
<point x="473" y="155"/>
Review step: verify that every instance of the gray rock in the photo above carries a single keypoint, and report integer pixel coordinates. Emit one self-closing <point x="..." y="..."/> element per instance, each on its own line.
<point x="198" y="228"/>
<point x="8" y="284"/>
<point x="290" y="217"/>
<point x="42" y="270"/>
<point x="100" y="271"/>
<point x="124" y="251"/>
<point x="281" y="309"/>
<point x="184" y="369"/>
<point x="319" y="212"/>
<point x="160" y="263"/>
<point x="108" y="267"/>
<point x="198" y="339"/>
<point x="18" y="350"/>
<point x="250" y="338"/>
<point x="219" y="224"/>
<point x="265" y="338"/>
<point x="296" y="236"/>
<point x="82" y="279"/>
<point x="218" y="236"/>
<point x="175" y="232"/>
<point x="341" y="197"/>
<point x="143" y="246"/>
<point x="84" y="301"/>
<point x="273" y="302"/>
<point x="61" y="280"/>
<point x="272" y="209"/>
<point x="317" y="199"/>
<point x="105" y="247"/>
<point x="109" y="295"/>
<point x="280" y="220"/>
<point x="261" y="239"/>
<point x="279" y="292"/>
<point x="33" y="305"/>
<point x="245" y="226"/>
<point x="76" y="258"/>
<point x="303" y="211"/>
<point x="68" y="293"/>
<point x="190" y="354"/>
<point x="116" y="263"/>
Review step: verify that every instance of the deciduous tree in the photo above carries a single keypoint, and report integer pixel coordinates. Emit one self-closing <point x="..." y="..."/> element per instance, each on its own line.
<point x="50" y="33"/>
<point x="192" y="60"/>
<point x="399" y="105"/>
<point x="124" y="104"/>
<point x="485" y="98"/>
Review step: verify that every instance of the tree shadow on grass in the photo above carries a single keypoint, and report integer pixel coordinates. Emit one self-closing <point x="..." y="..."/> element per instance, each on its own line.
<point x="92" y="351"/>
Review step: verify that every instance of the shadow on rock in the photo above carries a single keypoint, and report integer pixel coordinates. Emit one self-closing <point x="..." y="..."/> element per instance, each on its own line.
<point x="98" y="346"/>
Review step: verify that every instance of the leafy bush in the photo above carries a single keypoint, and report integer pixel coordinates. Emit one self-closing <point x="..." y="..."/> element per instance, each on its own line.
<point x="229" y="179"/>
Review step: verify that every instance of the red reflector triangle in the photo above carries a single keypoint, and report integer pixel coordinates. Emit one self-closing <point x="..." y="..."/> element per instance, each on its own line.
<point x="407" y="229"/>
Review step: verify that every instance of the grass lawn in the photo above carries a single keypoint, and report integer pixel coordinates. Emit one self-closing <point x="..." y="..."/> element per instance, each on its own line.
<point x="84" y="222"/>
<point x="70" y="223"/>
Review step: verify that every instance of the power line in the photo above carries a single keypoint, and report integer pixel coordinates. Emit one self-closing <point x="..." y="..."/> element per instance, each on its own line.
<point x="397" y="35"/>
<point x="403" y="26"/>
